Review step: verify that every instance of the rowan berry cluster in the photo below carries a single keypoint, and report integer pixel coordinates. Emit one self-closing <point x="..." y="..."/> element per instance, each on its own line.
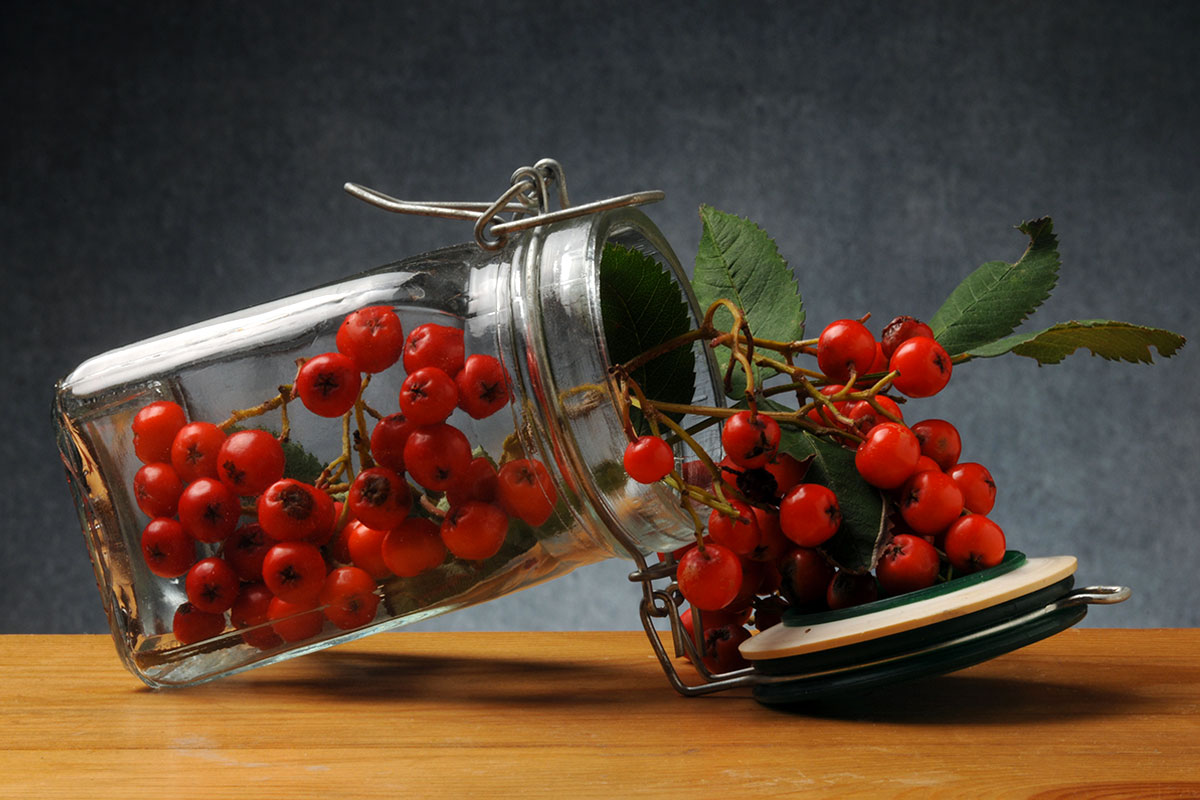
<point x="277" y="558"/>
<point x="761" y="549"/>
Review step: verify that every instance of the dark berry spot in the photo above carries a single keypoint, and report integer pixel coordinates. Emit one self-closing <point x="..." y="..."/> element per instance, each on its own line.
<point x="296" y="502"/>
<point x="327" y="383"/>
<point x="194" y="454"/>
<point x="213" y="513"/>
<point x="236" y="476"/>
<point x="288" y="575"/>
<point x="376" y="490"/>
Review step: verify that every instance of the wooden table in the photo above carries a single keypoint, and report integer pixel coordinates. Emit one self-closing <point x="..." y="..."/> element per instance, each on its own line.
<point x="1089" y="713"/>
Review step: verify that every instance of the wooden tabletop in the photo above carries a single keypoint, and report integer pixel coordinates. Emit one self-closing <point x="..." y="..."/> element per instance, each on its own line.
<point x="1088" y="713"/>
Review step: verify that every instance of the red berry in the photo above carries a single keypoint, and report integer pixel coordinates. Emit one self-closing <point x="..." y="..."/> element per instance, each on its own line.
<point x="156" y="489"/>
<point x="290" y="510"/>
<point x="194" y="451"/>
<point x="432" y="345"/>
<point x="482" y="386"/>
<point x="480" y="482"/>
<point x="788" y="472"/>
<point x="715" y="618"/>
<point x="526" y="491"/>
<point x="379" y="498"/>
<point x="192" y="625"/>
<point x="888" y="455"/>
<point x="349" y="597"/>
<point x="845" y="345"/>
<point x="211" y="585"/>
<point x="750" y="440"/>
<point x="648" y="459"/>
<point x="810" y="514"/>
<point x="740" y="535"/>
<point x="866" y="417"/>
<point x="940" y="441"/>
<point x="413" y="547"/>
<point x="721" y="648"/>
<point x="771" y="542"/>
<point x="428" y="396"/>
<point x="930" y="501"/>
<point x="245" y="549"/>
<point x="474" y="531"/>
<point x="973" y="543"/>
<point x="926" y="464"/>
<point x="907" y="563"/>
<point x="372" y="337"/>
<point x="924" y="367"/>
<point x="250" y="461"/>
<point x="250" y="615"/>
<point x="365" y="547"/>
<point x="294" y="571"/>
<point x="847" y="590"/>
<point x="154" y="429"/>
<point x="437" y="456"/>
<point x="328" y="384"/>
<point x="295" y="622"/>
<point x="208" y="510"/>
<point x="768" y="611"/>
<point x="388" y="439"/>
<point x="900" y="330"/>
<point x="709" y="577"/>
<point x="168" y="550"/>
<point x="978" y="488"/>
<point x="878" y="367"/>
<point x="820" y="414"/>
<point x="805" y="574"/>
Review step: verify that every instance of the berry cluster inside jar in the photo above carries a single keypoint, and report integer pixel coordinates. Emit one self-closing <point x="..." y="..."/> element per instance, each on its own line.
<point x="266" y="556"/>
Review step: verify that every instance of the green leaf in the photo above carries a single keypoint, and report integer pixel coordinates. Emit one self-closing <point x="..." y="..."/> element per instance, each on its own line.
<point x="1115" y="341"/>
<point x="997" y="297"/>
<point x="739" y="262"/>
<point x="642" y="306"/>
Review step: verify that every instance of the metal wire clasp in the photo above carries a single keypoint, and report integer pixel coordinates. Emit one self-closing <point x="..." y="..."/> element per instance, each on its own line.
<point x="527" y="198"/>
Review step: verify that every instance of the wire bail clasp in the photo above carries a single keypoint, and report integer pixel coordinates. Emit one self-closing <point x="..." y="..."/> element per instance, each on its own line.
<point x="527" y="199"/>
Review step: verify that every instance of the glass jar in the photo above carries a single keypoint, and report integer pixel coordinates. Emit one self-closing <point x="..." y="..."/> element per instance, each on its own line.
<point x="533" y="305"/>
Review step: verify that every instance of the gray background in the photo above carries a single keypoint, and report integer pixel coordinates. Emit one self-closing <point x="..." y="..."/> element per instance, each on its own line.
<point x="166" y="163"/>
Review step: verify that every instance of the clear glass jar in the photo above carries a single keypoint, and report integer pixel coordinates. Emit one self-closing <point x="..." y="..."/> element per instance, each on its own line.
<point x="534" y="305"/>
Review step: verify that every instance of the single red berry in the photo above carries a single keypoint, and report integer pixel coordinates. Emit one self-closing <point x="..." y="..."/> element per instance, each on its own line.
<point x="810" y="514"/>
<point x="845" y="345"/>
<point x="211" y="585"/>
<point x="923" y="365"/>
<point x="474" y="531"/>
<point x="847" y="590"/>
<point x="295" y="622"/>
<point x="973" y="543"/>
<point x="866" y="417"/>
<point x="978" y="488"/>
<point x="940" y="441"/>
<point x="372" y="337"/>
<point x="245" y="549"/>
<point x="349" y="598"/>
<point x="156" y="489"/>
<point x="428" y="396"/>
<point x="250" y="615"/>
<point x="168" y="550"/>
<point x="740" y="535"/>
<point x="328" y="384"/>
<point x="194" y="451"/>
<point x="155" y="428"/>
<point x="413" y="547"/>
<point x="750" y="440"/>
<point x="721" y="648"/>
<point x="365" y="547"/>
<point x="192" y="625"/>
<point x="754" y="576"/>
<point x="433" y="345"/>
<point x="877" y="369"/>
<point x="379" y="498"/>
<point x="805" y="574"/>
<point x="208" y="510"/>
<point x="250" y="461"/>
<point x="526" y="491"/>
<point x="888" y="455"/>
<point x="480" y="482"/>
<point x="709" y="577"/>
<point x="388" y="439"/>
<point x="772" y="544"/>
<point x="788" y="471"/>
<point x="926" y="464"/>
<point x="294" y="571"/>
<point x="648" y="459"/>
<point x="900" y="330"/>
<point x="820" y="414"/>
<point x="291" y="510"/>
<point x="930" y="501"/>
<point x="482" y="386"/>
<point x="907" y="563"/>
<point x="437" y="456"/>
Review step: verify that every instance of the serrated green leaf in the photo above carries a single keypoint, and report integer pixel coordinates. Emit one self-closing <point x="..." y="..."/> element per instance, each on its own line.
<point x="1115" y="341"/>
<point x="642" y="306"/>
<point x="739" y="262"/>
<point x="997" y="297"/>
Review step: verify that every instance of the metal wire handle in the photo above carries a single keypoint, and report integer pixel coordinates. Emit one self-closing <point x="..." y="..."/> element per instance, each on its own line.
<point x="527" y="198"/>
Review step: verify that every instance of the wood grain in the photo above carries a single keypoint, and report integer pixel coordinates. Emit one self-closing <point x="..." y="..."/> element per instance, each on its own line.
<point x="1089" y="713"/>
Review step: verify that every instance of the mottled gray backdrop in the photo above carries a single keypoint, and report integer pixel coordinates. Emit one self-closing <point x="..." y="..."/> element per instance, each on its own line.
<point x="168" y="162"/>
